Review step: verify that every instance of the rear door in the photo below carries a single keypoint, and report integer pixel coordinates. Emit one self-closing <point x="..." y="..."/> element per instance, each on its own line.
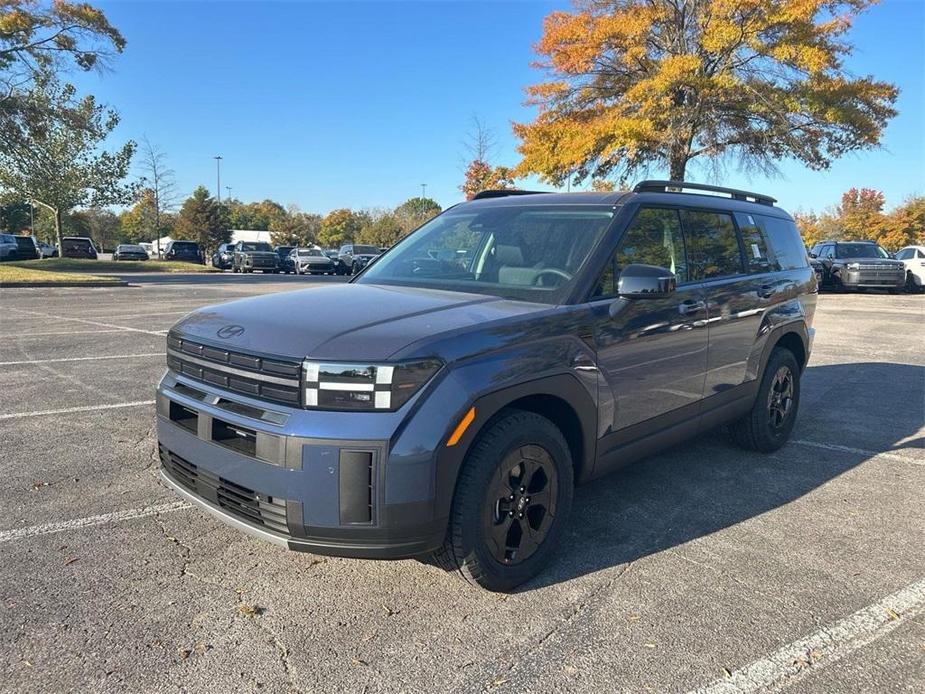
<point x="734" y="299"/>
<point x="652" y="354"/>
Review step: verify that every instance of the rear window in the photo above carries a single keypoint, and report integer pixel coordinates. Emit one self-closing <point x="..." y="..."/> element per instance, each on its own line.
<point x="365" y="250"/>
<point x="185" y="246"/>
<point x="24" y="242"/>
<point x="76" y="243"/>
<point x="712" y="245"/>
<point x="784" y="241"/>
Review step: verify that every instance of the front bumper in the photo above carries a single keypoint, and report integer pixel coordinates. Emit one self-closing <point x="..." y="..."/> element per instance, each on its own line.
<point x="874" y="279"/>
<point x="307" y="480"/>
<point x="316" y="267"/>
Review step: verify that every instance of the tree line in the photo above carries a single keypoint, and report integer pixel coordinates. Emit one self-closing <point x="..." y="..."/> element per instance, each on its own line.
<point x="860" y="216"/>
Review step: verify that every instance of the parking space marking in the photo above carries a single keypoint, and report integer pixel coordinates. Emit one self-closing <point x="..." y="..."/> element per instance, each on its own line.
<point x="60" y="332"/>
<point x="828" y="644"/>
<point x="159" y="333"/>
<point x="69" y="410"/>
<point x="856" y="451"/>
<point x="146" y="315"/>
<point x="65" y="359"/>
<point x="102" y="519"/>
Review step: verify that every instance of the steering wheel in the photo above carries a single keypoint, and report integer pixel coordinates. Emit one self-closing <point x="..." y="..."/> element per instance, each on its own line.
<point x="561" y="274"/>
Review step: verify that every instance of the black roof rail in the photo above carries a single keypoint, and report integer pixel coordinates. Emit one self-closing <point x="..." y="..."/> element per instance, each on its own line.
<point x="485" y="194"/>
<point x="681" y="186"/>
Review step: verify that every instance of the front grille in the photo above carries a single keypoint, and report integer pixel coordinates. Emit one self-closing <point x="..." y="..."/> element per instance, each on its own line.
<point x="260" y="510"/>
<point x="265" y="379"/>
<point x="881" y="268"/>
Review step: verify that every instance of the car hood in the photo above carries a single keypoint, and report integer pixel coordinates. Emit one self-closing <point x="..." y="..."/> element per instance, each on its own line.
<point x="261" y="253"/>
<point x="346" y="322"/>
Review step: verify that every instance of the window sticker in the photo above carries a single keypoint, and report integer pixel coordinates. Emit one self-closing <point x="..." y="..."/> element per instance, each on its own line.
<point x="756" y="252"/>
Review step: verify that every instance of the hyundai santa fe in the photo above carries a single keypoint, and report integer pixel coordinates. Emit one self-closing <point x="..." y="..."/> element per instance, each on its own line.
<point x="445" y="403"/>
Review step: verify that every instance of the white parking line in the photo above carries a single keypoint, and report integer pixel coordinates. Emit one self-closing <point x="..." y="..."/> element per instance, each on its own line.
<point x="109" y="356"/>
<point x="75" y="524"/>
<point x="159" y="333"/>
<point x="145" y="315"/>
<point x="795" y="660"/>
<point x="68" y="410"/>
<point x="857" y="451"/>
<point x="59" y="332"/>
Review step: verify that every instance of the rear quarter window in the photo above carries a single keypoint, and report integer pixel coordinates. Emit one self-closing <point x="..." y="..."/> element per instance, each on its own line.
<point x="784" y="241"/>
<point x="758" y="251"/>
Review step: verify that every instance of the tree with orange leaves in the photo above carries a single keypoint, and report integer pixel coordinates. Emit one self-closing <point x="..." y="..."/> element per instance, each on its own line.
<point x="636" y="84"/>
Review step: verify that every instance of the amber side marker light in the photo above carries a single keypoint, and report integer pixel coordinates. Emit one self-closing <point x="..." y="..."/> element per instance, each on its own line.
<point x="461" y="428"/>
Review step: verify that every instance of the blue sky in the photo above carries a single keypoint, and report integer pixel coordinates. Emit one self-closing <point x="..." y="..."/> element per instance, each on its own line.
<point x="350" y="104"/>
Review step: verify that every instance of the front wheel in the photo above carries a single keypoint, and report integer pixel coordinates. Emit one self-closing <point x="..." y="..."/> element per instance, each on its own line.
<point x="769" y="423"/>
<point x="511" y="504"/>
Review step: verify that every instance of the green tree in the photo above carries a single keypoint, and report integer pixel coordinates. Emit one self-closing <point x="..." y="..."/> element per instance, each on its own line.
<point x="636" y="84"/>
<point x="102" y="225"/>
<point x="15" y="217"/>
<point x="58" y="162"/>
<point x="384" y="230"/>
<point x="201" y="220"/>
<point x="143" y="222"/>
<point x="254" y="215"/>
<point x="341" y="226"/>
<point x="296" y="228"/>
<point x="39" y="40"/>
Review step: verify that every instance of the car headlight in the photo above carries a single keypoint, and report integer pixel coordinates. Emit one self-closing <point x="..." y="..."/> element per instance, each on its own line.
<point x="853" y="266"/>
<point x="369" y="387"/>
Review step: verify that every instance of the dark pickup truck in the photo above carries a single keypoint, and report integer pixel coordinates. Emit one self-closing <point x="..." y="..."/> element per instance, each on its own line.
<point x="254" y="255"/>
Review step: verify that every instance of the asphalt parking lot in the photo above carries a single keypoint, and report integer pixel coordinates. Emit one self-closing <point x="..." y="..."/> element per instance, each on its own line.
<point x="704" y="568"/>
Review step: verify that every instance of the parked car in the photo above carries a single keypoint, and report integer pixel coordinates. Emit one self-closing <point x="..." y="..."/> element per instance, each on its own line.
<point x="284" y="260"/>
<point x="184" y="251"/>
<point x="78" y="247"/>
<point x="355" y="257"/>
<point x="858" y="265"/>
<point x="8" y="247"/>
<point x="223" y="258"/>
<point x="913" y="258"/>
<point x="129" y="251"/>
<point x="46" y="250"/>
<point x="312" y="261"/>
<point x="254" y="255"/>
<point x="446" y="408"/>
<point x="150" y="249"/>
<point x="339" y="267"/>
<point x="26" y="248"/>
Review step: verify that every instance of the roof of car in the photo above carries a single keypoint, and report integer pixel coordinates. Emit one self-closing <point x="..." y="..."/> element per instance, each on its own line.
<point x="651" y="192"/>
<point x="873" y="243"/>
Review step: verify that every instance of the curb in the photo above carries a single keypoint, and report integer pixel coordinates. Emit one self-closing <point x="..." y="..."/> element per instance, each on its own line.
<point x="19" y="285"/>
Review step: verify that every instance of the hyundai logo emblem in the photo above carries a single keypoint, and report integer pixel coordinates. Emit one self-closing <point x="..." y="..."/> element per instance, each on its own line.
<point x="230" y="331"/>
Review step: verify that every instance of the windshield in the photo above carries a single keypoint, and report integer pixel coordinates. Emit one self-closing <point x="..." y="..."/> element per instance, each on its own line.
<point x="860" y="250"/>
<point x="284" y="250"/>
<point x="76" y="243"/>
<point x="365" y="250"/>
<point x="185" y="246"/>
<point x="256" y="246"/>
<point x="517" y="252"/>
<point x="308" y="251"/>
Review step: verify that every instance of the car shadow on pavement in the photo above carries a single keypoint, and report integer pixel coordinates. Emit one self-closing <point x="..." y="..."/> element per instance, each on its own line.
<point x="709" y="484"/>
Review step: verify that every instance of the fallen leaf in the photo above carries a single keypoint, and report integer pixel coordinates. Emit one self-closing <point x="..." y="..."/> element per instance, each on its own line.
<point x="358" y="661"/>
<point x="498" y="682"/>
<point x="727" y="672"/>
<point x="70" y="560"/>
<point x="893" y="614"/>
<point x="634" y="617"/>
<point x="248" y="610"/>
<point x="649" y="645"/>
<point x="38" y="484"/>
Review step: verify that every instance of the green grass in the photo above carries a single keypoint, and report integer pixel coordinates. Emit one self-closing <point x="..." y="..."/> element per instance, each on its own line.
<point x="77" y="265"/>
<point x="10" y="272"/>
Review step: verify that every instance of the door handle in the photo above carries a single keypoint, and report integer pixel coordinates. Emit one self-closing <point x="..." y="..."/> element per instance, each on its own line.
<point x="686" y="308"/>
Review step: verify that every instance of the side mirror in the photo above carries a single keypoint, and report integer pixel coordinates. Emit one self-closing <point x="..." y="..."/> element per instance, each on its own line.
<point x="639" y="281"/>
<point x="813" y="255"/>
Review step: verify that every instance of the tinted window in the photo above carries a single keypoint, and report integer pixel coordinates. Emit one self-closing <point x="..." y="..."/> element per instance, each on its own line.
<point x="75" y="243"/>
<point x="904" y="254"/>
<point x="759" y="254"/>
<point x="712" y="245"/>
<point x="653" y="238"/>
<point x="184" y="246"/>
<point x="366" y="250"/>
<point x="255" y="246"/>
<point x="919" y="254"/>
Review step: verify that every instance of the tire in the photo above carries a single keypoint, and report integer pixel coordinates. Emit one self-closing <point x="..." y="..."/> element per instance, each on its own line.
<point x="521" y="454"/>
<point x="769" y="423"/>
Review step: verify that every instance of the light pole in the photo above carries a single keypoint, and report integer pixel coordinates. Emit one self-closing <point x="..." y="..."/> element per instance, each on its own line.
<point x="423" y="197"/>
<point x="218" y="178"/>
<point x="228" y="188"/>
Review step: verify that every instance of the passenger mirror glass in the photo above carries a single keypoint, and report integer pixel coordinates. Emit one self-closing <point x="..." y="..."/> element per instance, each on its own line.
<point x="639" y="281"/>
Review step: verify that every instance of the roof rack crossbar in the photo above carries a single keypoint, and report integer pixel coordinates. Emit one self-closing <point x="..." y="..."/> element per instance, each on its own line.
<point x="680" y="186"/>
<point x="485" y="194"/>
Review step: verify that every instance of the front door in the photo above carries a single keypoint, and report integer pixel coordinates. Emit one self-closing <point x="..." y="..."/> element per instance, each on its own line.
<point x="653" y="354"/>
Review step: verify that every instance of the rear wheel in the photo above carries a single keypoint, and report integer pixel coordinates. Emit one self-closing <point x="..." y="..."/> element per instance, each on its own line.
<point x="769" y="423"/>
<point x="511" y="504"/>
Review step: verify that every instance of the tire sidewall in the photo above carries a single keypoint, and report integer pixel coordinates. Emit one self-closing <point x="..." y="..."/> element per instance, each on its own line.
<point x="772" y="439"/>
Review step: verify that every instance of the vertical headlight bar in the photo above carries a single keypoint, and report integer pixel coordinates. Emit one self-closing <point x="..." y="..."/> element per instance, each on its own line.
<point x="366" y="387"/>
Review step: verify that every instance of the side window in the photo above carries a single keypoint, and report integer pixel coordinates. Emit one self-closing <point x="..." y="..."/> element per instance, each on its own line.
<point x="784" y="242"/>
<point x="919" y="254"/>
<point x="904" y="254"/>
<point x="828" y="252"/>
<point x="652" y="238"/>
<point x="712" y="245"/>
<point x="759" y="254"/>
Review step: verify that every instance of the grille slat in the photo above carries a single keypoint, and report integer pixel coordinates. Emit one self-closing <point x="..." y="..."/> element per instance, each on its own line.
<point x="264" y="379"/>
<point x="244" y="504"/>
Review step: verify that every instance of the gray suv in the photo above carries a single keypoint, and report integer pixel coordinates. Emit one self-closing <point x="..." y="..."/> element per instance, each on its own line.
<point x="446" y="401"/>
